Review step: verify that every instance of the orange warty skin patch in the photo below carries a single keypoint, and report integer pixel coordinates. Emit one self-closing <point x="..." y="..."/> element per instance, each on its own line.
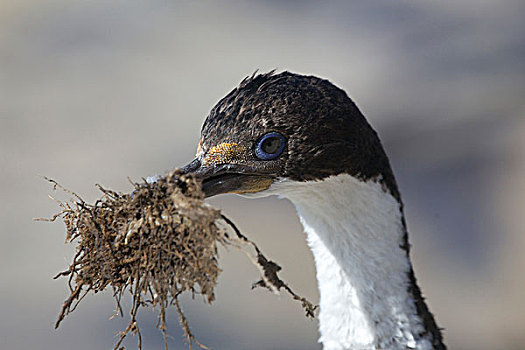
<point x="227" y="152"/>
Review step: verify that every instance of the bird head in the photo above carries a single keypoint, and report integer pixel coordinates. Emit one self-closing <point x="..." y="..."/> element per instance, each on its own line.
<point x="285" y="126"/>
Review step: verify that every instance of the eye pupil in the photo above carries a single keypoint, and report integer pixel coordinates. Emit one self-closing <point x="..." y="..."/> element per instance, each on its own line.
<point x="271" y="145"/>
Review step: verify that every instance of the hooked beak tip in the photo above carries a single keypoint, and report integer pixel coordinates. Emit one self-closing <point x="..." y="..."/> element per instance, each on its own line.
<point x="194" y="167"/>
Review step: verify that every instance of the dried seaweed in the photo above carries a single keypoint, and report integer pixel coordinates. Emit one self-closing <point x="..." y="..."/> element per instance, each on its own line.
<point x="155" y="243"/>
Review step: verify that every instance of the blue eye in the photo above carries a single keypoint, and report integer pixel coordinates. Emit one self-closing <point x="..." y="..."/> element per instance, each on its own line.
<point x="270" y="146"/>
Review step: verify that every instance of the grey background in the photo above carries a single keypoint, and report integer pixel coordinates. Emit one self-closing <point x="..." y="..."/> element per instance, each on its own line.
<point x="95" y="91"/>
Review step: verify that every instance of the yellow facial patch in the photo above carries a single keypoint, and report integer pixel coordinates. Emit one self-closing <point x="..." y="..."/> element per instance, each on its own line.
<point x="227" y="152"/>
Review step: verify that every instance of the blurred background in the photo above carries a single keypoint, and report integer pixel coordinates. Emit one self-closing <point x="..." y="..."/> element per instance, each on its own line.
<point x="96" y="91"/>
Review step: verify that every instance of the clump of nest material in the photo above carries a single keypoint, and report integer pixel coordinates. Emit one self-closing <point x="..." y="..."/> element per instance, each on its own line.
<point x="155" y="243"/>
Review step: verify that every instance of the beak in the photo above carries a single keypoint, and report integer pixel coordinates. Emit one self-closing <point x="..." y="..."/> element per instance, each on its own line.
<point x="227" y="178"/>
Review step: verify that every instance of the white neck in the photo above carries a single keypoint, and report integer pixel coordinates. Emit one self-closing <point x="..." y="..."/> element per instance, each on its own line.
<point x="355" y="231"/>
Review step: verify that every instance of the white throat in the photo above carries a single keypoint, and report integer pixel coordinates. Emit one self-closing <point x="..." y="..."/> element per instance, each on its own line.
<point x="354" y="229"/>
